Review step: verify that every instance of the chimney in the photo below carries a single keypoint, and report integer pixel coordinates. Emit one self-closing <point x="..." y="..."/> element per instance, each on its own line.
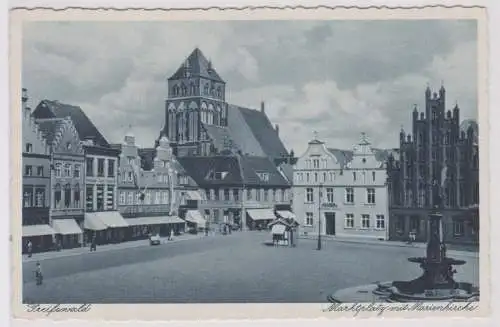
<point x="277" y="128"/>
<point x="24" y="98"/>
<point x="262" y="107"/>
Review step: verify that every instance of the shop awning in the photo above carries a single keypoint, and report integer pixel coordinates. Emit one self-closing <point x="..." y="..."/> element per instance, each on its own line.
<point x="66" y="226"/>
<point x="286" y="214"/>
<point x="194" y="195"/>
<point x="160" y="220"/>
<point x="278" y="229"/>
<point x="112" y="219"/>
<point x="37" y="230"/>
<point x="261" y="214"/>
<point x="93" y="222"/>
<point x="194" y="216"/>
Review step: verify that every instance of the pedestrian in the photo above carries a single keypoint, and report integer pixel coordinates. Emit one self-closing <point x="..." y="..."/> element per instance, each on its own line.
<point x="38" y="274"/>
<point x="93" y="244"/>
<point x="29" y="247"/>
<point x="171" y="236"/>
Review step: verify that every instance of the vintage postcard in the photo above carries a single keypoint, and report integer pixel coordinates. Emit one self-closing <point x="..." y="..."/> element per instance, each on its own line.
<point x="249" y="164"/>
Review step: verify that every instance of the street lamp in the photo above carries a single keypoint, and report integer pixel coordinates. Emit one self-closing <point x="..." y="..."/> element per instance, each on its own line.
<point x="319" y="216"/>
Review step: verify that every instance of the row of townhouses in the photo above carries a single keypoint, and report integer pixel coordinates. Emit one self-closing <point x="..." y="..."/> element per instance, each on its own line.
<point x="388" y="193"/>
<point x="212" y="164"/>
<point x="215" y="163"/>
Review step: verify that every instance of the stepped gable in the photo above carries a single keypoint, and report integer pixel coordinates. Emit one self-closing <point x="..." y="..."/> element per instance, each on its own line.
<point x="86" y="129"/>
<point x="199" y="66"/>
<point x="345" y="156"/>
<point x="49" y="128"/>
<point x="262" y="131"/>
<point x="202" y="169"/>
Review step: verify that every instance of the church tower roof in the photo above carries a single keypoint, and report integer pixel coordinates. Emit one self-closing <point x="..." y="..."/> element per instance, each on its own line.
<point x="199" y="66"/>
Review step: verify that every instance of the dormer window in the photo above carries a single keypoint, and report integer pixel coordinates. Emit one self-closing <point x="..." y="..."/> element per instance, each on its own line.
<point x="217" y="175"/>
<point x="264" y="177"/>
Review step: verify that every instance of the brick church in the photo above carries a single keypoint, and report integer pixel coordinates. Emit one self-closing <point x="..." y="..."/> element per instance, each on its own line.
<point x="438" y="140"/>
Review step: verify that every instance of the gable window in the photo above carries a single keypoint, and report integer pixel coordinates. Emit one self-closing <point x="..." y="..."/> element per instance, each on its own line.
<point x="257" y="194"/>
<point x="373" y="176"/>
<point x="370" y="195"/>
<point x="307" y="177"/>
<point x="67" y="195"/>
<point x="39" y="170"/>
<point x="226" y="194"/>
<point x="28" y="170"/>
<point x="266" y="195"/>
<point x="76" y="196"/>
<point x="283" y="195"/>
<point x="207" y="194"/>
<point x="122" y="197"/>
<point x="349" y="220"/>
<point x="380" y="222"/>
<point x="57" y="196"/>
<point x="58" y="169"/>
<point x="349" y="195"/>
<point x="67" y="170"/>
<point x="309" y="195"/>
<point x="249" y="194"/>
<point x="263" y="177"/>
<point x="40" y="197"/>
<point x="309" y="219"/>
<point x="76" y="171"/>
<point x="316" y="163"/>
<point x="28" y="148"/>
<point x="354" y="176"/>
<point x="274" y="195"/>
<point x="89" y="166"/>
<point x="236" y="194"/>
<point x="111" y="168"/>
<point x="365" y="221"/>
<point x="216" y="194"/>
<point x="315" y="177"/>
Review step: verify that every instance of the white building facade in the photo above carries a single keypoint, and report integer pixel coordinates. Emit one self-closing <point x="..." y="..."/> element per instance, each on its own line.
<point x="341" y="197"/>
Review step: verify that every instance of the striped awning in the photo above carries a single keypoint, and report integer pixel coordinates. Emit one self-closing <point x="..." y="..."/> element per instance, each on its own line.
<point x="194" y="216"/>
<point x="261" y="214"/>
<point x="93" y="222"/>
<point x="66" y="226"/>
<point x="37" y="230"/>
<point x="286" y="214"/>
<point x="160" y="220"/>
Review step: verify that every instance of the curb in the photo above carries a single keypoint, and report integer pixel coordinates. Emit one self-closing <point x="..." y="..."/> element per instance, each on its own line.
<point x="64" y="255"/>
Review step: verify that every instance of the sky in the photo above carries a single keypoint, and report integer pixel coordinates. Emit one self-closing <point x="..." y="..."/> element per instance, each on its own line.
<point x="338" y="78"/>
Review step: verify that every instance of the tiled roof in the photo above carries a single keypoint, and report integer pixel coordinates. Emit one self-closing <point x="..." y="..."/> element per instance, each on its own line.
<point x="200" y="168"/>
<point x="345" y="156"/>
<point x="49" y="128"/>
<point x="199" y="67"/>
<point x="221" y="137"/>
<point x="84" y="126"/>
<point x="242" y="133"/>
<point x="262" y="131"/>
<point x="252" y="165"/>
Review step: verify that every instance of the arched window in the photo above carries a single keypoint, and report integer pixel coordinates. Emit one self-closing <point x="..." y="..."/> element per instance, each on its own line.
<point x="192" y="88"/>
<point x="184" y="90"/>
<point x="218" y="116"/>
<point x="57" y="196"/>
<point x="67" y="170"/>
<point x="171" y="125"/>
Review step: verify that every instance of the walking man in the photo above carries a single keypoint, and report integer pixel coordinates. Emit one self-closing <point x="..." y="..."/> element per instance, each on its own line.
<point x="93" y="244"/>
<point x="38" y="274"/>
<point x="29" y="247"/>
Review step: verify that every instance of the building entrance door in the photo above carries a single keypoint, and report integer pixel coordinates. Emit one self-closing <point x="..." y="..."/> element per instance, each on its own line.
<point x="330" y="223"/>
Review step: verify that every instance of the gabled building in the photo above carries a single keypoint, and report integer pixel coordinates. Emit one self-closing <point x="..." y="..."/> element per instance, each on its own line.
<point x="67" y="179"/>
<point x="36" y="183"/>
<point x="100" y="172"/>
<point x="146" y="188"/>
<point x="342" y="192"/>
<point x="440" y="150"/>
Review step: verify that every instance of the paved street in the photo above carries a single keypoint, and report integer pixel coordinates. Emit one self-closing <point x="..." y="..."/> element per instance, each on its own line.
<point x="233" y="268"/>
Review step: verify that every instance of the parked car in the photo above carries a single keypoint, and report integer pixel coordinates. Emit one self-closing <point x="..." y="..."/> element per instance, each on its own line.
<point x="154" y="240"/>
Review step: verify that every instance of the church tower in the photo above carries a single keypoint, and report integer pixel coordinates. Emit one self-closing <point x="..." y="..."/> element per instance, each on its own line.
<point x="196" y="96"/>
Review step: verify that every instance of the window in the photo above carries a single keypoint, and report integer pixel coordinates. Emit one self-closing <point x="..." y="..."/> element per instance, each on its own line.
<point x="380" y="222"/>
<point x="332" y="177"/>
<point x="40" y="197"/>
<point x="111" y="168"/>
<point x="458" y="227"/>
<point x="28" y="197"/>
<point x="309" y="219"/>
<point x="373" y="176"/>
<point x="329" y="195"/>
<point x="67" y="195"/>
<point x="349" y="220"/>
<point x="130" y="161"/>
<point x="110" y="197"/>
<point x="100" y="167"/>
<point x="57" y="196"/>
<point x="283" y="195"/>
<point x="76" y="196"/>
<point x="39" y="171"/>
<point x="370" y="195"/>
<point x="207" y="194"/>
<point x="28" y="170"/>
<point x="76" y="171"/>
<point x="67" y="170"/>
<point x="158" y="197"/>
<point x="122" y="198"/>
<point x="274" y="195"/>
<point x="316" y="163"/>
<point x="415" y="224"/>
<point x="266" y="195"/>
<point x="315" y="177"/>
<point x="263" y="177"/>
<point x="365" y="221"/>
<point x="100" y="198"/>
<point x="130" y="197"/>
<point x="257" y="194"/>
<point x="28" y="148"/>
<point x="148" y="197"/>
<point x="216" y="194"/>
<point x="307" y="177"/>
<point x="226" y="194"/>
<point x="249" y="194"/>
<point x="129" y="176"/>
<point x="236" y="194"/>
<point x="90" y="166"/>
<point x="165" y="197"/>
<point x="349" y="195"/>
<point x="309" y="195"/>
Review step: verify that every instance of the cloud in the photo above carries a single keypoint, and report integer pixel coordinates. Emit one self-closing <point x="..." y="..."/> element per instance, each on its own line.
<point x="339" y="78"/>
